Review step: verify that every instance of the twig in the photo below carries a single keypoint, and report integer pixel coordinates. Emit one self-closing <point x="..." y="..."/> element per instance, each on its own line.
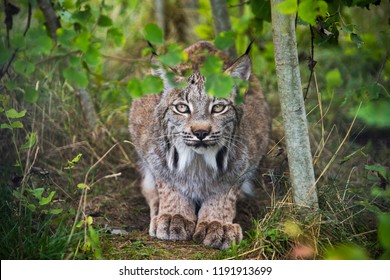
<point x="106" y="177"/>
<point x="312" y="63"/>
<point x="28" y="19"/>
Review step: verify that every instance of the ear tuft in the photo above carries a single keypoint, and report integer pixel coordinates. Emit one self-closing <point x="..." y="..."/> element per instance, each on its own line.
<point x="241" y="68"/>
<point x="159" y="71"/>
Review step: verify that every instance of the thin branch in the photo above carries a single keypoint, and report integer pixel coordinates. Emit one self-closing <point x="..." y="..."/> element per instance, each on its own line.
<point x="312" y="63"/>
<point x="28" y="19"/>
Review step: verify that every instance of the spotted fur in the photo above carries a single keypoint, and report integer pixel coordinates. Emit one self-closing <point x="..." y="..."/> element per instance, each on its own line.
<point x="196" y="151"/>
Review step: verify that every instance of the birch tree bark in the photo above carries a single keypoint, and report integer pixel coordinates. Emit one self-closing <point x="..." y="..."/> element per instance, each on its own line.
<point x="159" y="11"/>
<point x="222" y="21"/>
<point x="293" y="109"/>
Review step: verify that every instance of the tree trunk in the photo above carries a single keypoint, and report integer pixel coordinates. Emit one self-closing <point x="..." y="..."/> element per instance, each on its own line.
<point x="222" y="21"/>
<point x="293" y="109"/>
<point x="52" y="21"/>
<point x="159" y="12"/>
<point x="89" y="111"/>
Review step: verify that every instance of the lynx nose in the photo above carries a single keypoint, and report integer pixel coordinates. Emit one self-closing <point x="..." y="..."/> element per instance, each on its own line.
<point x="201" y="133"/>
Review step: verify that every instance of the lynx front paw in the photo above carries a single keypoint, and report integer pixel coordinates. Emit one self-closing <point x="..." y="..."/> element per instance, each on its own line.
<point x="171" y="227"/>
<point x="217" y="235"/>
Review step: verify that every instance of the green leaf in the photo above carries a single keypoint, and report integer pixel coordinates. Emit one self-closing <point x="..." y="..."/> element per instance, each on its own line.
<point x="72" y="162"/>
<point x="38" y="41"/>
<point x="76" y="77"/>
<point x="219" y="85"/>
<point x="13" y="114"/>
<point x="375" y="113"/>
<point x="308" y="10"/>
<point x="80" y="224"/>
<point x="74" y="61"/>
<point x="82" y="41"/>
<point x="66" y="36"/>
<point x="357" y="39"/>
<point x="152" y="84"/>
<point x="77" y="158"/>
<point x="83" y="16"/>
<point x="37" y="193"/>
<point x="224" y="40"/>
<point x="384" y="230"/>
<point x="18" y="41"/>
<point x="31" y="207"/>
<point x="24" y="67"/>
<point x="31" y="95"/>
<point x="46" y="200"/>
<point x="116" y="35"/>
<point x="261" y="9"/>
<point x="173" y="56"/>
<point x="4" y="125"/>
<point x="153" y="34"/>
<point x="104" y="21"/>
<point x="347" y="252"/>
<point x="377" y="191"/>
<point x="134" y="87"/>
<point x="333" y="79"/>
<point x="55" y="211"/>
<point x="31" y="140"/>
<point x="83" y="186"/>
<point x="212" y="65"/>
<point x="288" y="7"/>
<point x="93" y="56"/>
<point x="380" y="169"/>
<point x="16" y="124"/>
<point x="347" y="28"/>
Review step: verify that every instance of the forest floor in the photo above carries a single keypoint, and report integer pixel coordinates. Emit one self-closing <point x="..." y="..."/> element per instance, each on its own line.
<point x="120" y="209"/>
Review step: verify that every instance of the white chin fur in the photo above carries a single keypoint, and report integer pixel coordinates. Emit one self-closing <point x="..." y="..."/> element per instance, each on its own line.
<point x="200" y="150"/>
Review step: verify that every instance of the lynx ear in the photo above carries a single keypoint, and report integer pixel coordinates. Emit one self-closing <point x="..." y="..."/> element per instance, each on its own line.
<point x="241" y="68"/>
<point x="159" y="71"/>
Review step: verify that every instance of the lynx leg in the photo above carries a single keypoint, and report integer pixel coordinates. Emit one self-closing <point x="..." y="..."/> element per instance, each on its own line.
<point x="176" y="216"/>
<point x="149" y="190"/>
<point x="215" y="226"/>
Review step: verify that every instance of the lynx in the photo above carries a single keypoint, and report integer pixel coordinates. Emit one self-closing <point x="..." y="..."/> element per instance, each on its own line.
<point x="197" y="152"/>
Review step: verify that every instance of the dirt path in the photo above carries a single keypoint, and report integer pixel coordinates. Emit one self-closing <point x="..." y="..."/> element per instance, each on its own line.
<point x="120" y="209"/>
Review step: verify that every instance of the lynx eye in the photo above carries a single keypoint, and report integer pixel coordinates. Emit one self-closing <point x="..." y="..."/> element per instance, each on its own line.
<point x="182" y="108"/>
<point x="218" y="108"/>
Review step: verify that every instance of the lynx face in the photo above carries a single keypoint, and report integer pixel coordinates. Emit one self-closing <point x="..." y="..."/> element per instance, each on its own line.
<point x="200" y="127"/>
<point x="199" y="122"/>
